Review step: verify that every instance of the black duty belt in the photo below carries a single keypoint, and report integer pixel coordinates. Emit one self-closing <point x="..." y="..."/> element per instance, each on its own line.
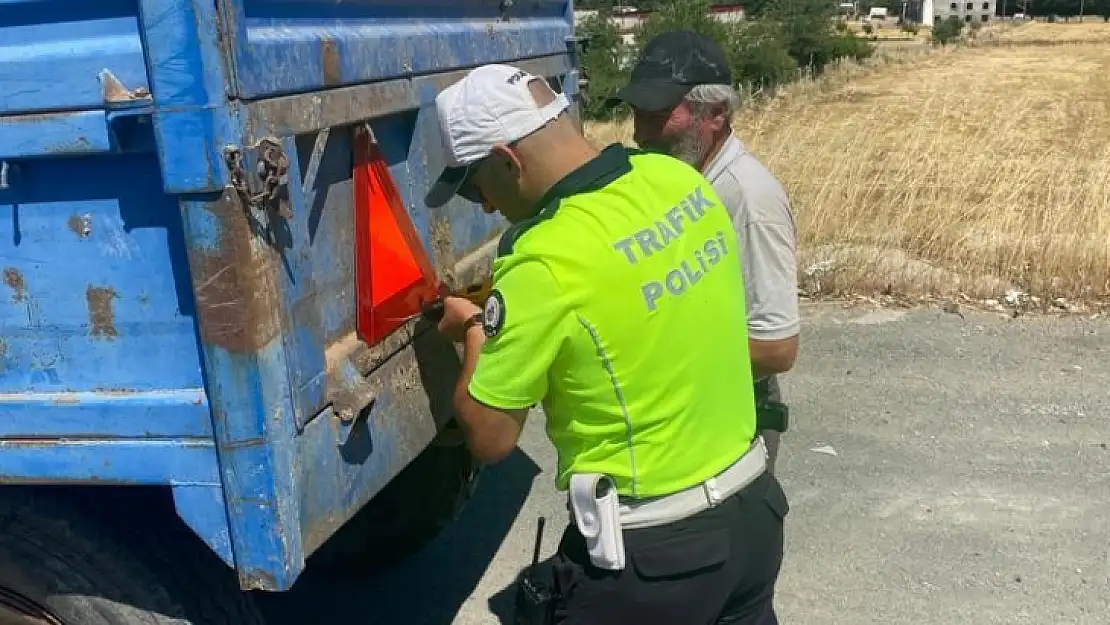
<point x="769" y="413"/>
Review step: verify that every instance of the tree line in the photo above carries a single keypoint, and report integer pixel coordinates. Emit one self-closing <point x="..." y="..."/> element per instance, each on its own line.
<point x="1036" y="8"/>
<point x="780" y="41"/>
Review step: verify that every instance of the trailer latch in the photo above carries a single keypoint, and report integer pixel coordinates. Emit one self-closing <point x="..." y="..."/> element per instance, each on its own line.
<point x="266" y="191"/>
<point x="273" y="171"/>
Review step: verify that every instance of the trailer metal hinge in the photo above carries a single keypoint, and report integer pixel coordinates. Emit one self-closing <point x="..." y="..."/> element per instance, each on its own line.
<point x="266" y="191"/>
<point x="272" y="172"/>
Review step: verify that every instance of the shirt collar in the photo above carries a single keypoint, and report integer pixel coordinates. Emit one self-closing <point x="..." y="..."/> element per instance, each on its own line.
<point x="610" y="164"/>
<point x="730" y="149"/>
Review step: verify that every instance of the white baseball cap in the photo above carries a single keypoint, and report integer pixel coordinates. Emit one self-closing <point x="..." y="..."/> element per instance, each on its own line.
<point x="492" y="105"/>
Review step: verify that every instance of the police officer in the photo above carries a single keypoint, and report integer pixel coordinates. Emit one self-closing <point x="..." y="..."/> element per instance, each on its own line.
<point x="684" y="102"/>
<point x="613" y="300"/>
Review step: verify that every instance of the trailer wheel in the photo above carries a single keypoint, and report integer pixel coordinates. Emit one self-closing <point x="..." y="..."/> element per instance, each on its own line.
<point x="405" y="516"/>
<point x="62" y="566"/>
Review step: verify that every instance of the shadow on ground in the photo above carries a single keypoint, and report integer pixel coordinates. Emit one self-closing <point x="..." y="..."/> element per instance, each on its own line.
<point x="431" y="587"/>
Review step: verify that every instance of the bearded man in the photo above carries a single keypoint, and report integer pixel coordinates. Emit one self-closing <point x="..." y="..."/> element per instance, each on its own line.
<point x="682" y="94"/>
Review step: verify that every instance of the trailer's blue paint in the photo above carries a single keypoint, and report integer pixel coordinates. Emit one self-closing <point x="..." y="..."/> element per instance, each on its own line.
<point x="193" y="121"/>
<point x="203" y="509"/>
<point x="135" y="462"/>
<point x="329" y="43"/>
<point x="101" y="414"/>
<point x="251" y="410"/>
<point x="202" y="132"/>
<point x="82" y="132"/>
<point x="149" y="333"/>
<point x="51" y="52"/>
<point x="325" y="213"/>
<point x="95" y="285"/>
<point x="343" y="465"/>
<point x="305" y="340"/>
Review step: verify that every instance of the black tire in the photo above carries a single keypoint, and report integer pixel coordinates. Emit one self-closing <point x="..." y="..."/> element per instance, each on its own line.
<point x="73" y="568"/>
<point x="405" y="516"/>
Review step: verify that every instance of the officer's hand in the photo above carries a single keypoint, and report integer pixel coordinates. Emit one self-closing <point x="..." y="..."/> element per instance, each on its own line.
<point x="458" y="313"/>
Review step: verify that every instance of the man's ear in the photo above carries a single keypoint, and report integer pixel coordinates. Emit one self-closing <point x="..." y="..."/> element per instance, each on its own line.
<point x="507" y="158"/>
<point x="718" y="119"/>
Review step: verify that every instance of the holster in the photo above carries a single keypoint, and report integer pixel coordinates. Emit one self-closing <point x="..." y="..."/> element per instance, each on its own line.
<point x="595" y="508"/>
<point x="770" y="414"/>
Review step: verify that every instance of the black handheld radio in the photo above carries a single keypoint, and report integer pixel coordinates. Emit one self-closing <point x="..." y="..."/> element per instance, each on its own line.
<point x="534" y="597"/>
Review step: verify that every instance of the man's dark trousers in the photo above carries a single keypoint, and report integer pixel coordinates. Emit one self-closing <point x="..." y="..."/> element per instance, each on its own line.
<point x="718" y="566"/>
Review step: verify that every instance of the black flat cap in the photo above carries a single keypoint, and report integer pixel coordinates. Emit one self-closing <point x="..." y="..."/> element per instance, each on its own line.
<point x="670" y="65"/>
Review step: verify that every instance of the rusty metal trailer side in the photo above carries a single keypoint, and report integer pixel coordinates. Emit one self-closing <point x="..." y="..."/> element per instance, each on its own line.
<point x="176" y="244"/>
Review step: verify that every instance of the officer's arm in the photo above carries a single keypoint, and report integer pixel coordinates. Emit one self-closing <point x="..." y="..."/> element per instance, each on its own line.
<point x="491" y="433"/>
<point x="507" y="362"/>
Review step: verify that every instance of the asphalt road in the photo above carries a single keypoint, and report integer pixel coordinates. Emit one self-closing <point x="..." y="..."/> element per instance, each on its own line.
<point x="970" y="484"/>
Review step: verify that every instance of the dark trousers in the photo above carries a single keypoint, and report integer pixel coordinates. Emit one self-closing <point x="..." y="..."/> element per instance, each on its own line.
<point x="718" y="566"/>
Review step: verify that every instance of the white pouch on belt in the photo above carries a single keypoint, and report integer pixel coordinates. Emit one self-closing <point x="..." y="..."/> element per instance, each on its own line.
<point x="596" y="507"/>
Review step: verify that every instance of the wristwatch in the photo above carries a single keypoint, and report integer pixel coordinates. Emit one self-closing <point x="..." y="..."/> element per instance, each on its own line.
<point x="474" y="320"/>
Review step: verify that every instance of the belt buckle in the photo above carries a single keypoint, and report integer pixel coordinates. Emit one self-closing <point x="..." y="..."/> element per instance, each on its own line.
<point x="712" y="492"/>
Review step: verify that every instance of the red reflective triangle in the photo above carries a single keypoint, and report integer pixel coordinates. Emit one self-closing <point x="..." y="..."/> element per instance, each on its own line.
<point x="392" y="272"/>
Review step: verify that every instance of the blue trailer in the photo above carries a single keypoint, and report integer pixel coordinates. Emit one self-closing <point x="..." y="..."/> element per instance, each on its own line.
<point x="207" y="378"/>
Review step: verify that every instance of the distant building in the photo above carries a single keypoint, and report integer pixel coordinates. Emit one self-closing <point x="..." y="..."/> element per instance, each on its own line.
<point x="967" y="11"/>
<point x="919" y="11"/>
<point x="848" y="10"/>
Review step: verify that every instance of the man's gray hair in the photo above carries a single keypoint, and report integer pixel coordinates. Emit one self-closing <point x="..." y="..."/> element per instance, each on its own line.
<point x="702" y="98"/>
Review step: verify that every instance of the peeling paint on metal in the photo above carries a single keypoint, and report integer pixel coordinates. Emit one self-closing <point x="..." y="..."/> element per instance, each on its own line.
<point x="258" y="580"/>
<point x="405" y="379"/>
<point x="238" y="304"/>
<point x="14" y="279"/>
<point x="342" y="105"/>
<point x="330" y="55"/>
<point x="115" y="91"/>
<point x="367" y="359"/>
<point x="81" y="225"/>
<point x="118" y="391"/>
<point x="31" y="118"/>
<point x="76" y="145"/>
<point x="442" y="254"/>
<point x="102" y="318"/>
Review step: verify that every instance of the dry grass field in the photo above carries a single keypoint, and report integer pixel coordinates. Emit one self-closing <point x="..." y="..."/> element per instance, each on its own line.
<point x="1091" y="30"/>
<point x="978" y="172"/>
